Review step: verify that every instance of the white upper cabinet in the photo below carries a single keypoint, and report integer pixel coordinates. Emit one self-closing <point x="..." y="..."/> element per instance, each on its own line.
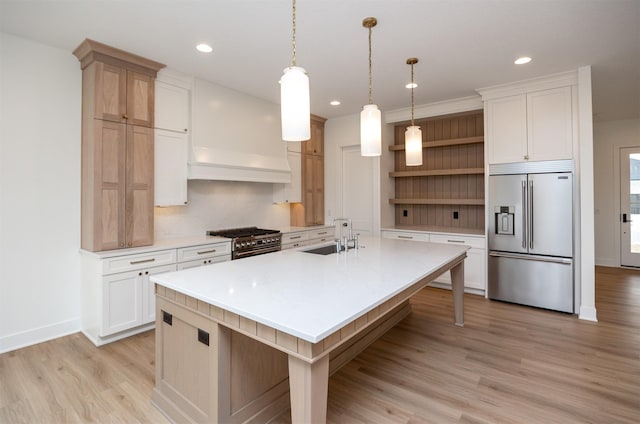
<point x="530" y="121"/>
<point x="172" y="107"/>
<point x="549" y="124"/>
<point x="172" y="122"/>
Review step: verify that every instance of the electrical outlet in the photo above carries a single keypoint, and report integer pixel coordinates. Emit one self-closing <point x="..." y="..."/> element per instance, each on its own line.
<point x="405" y="212"/>
<point x="455" y="215"/>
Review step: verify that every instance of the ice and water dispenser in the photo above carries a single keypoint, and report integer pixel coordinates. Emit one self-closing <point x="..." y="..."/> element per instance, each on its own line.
<point x="504" y="219"/>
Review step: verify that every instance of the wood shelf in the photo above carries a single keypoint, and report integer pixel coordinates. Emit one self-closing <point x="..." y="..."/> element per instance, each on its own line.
<point x="478" y="202"/>
<point x="441" y="143"/>
<point x="436" y="172"/>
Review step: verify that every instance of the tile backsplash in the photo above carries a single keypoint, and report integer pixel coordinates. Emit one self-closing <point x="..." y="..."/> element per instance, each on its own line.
<point x="218" y="205"/>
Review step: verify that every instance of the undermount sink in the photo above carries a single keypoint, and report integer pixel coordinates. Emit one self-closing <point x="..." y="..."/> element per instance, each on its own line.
<point x="323" y="250"/>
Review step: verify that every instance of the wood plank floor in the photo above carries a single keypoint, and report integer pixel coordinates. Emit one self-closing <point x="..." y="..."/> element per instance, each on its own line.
<point x="508" y="364"/>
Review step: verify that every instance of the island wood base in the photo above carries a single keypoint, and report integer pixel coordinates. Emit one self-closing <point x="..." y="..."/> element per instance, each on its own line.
<point x="215" y="366"/>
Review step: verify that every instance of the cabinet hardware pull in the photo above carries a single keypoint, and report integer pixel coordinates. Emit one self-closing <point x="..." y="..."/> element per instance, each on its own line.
<point x="203" y="337"/>
<point x="455" y="241"/>
<point x="206" y="251"/>
<point x="296" y="237"/>
<point x="322" y="233"/>
<point x="124" y="116"/>
<point x="406" y="237"/>
<point x="142" y="261"/>
<point x="167" y="317"/>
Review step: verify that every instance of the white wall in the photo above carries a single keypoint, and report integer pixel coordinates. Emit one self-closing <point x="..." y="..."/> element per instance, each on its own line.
<point x="40" y="97"/>
<point x="215" y="205"/>
<point x="608" y="138"/>
<point x="345" y="131"/>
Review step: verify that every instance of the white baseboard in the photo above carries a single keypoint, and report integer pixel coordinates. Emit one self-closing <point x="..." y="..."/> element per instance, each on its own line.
<point x="588" y="313"/>
<point x="610" y="262"/>
<point x="38" y="335"/>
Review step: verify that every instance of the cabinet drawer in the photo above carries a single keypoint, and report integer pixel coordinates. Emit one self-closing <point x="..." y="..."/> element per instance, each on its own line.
<point x="294" y="237"/>
<point x="322" y="233"/>
<point x="204" y="251"/>
<point x="477" y="242"/>
<point x="134" y="262"/>
<point x="295" y="244"/>
<point x="202" y="262"/>
<point x="406" y="235"/>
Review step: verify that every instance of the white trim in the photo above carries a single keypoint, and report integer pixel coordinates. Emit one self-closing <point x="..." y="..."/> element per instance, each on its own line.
<point x="588" y="313"/>
<point x="562" y="79"/>
<point x="463" y="104"/>
<point x="585" y="259"/>
<point x="39" y="335"/>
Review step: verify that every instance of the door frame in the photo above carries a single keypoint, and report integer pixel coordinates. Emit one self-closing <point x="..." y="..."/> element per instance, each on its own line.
<point x="623" y="154"/>
<point x="375" y="186"/>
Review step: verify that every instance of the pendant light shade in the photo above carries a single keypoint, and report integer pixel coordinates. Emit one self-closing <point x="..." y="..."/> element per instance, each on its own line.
<point x="413" y="146"/>
<point x="370" y="131"/>
<point x="413" y="134"/>
<point x="370" y="117"/>
<point x="294" y="104"/>
<point x="294" y="97"/>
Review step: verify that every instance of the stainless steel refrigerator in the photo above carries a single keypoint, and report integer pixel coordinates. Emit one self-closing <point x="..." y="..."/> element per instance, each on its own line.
<point x="531" y="234"/>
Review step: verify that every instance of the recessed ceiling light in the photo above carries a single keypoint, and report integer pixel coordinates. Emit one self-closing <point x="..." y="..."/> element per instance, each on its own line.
<point x="522" y="60"/>
<point x="411" y="85"/>
<point x="335" y="103"/>
<point x="204" y="48"/>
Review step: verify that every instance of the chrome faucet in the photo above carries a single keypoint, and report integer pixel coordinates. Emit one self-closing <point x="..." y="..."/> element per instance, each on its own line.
<point x="346" y="242"/>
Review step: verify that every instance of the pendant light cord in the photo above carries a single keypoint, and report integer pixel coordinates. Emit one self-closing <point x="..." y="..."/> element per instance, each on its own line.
<point x="293" y="40"/>
<point x="412" y="124"/>
<point x="370" y="79"/>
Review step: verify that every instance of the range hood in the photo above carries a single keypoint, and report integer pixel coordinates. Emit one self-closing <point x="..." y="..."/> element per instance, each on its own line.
<point x="235" y="137"/>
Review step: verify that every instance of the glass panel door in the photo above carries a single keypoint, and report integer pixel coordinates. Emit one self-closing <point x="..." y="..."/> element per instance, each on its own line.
<point x="630" y="206"/>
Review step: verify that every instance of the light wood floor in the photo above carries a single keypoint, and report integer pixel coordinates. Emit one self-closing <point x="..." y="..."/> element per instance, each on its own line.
<point x="508" y="364"/>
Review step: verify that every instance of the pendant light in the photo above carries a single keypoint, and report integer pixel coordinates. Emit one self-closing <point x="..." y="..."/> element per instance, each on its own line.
<point x="294" y="97"/>
<point x="413" y="135"/>
<point x="370" y="117"/>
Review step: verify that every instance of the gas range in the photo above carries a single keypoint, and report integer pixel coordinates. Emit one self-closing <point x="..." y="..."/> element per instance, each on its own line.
<point x="250" y="241"/>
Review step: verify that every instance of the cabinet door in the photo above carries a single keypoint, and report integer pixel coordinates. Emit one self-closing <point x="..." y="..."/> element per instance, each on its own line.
<point x="318" y="190"/>
<point x="108" y="193"/>
<point x="315" y="145"/>
<point x="474" y="266"/>
<point x="110" y="92"/>
<point x="172" y="107"/>
<point x="202" y="262"/>
<point x="121" y="302"/>
<point x="139" y="186"/>
<point x="140" y="99"/>
<point x="507" y="129"/>
<point x="149" y="291"/>
<point x="290" y="192"/>
<point x="170" y="180"/>
<point x="549" y="123"/>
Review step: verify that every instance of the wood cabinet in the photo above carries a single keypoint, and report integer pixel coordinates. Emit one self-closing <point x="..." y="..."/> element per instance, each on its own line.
<point x="446" y="192"/>
<point x="311" y="210"/>
<point x="533" y="126"/>
<point x="117" y="147"/>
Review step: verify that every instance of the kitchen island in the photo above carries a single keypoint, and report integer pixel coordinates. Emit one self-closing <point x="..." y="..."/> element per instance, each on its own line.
<point x="234" y="339"/>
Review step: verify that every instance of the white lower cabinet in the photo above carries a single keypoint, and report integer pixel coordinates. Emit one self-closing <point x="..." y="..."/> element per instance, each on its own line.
<point x="206" y="254"/>
<point x="474" y="264"/>
<point x="118" y="300"/>
<point x="129" y="299"/>
<point x="291" y="240"/>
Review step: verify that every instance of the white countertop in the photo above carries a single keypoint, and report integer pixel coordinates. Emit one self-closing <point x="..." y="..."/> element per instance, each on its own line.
<point x="172" y="243"/>
<point x="311" y="296"/>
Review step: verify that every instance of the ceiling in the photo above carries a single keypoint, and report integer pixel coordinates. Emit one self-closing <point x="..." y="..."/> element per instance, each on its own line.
<point x="462" y="45"/>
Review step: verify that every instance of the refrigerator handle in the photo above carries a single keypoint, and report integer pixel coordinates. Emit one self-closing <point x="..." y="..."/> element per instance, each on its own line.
<point x="531" y="214"/>
<point x="524" y="214"/>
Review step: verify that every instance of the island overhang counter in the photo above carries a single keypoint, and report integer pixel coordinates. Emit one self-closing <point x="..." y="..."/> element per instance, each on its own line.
<point x="233" y="338"/>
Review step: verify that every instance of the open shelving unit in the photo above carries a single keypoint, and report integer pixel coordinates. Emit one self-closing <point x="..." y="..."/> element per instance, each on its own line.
<point x="447" y="190"/>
